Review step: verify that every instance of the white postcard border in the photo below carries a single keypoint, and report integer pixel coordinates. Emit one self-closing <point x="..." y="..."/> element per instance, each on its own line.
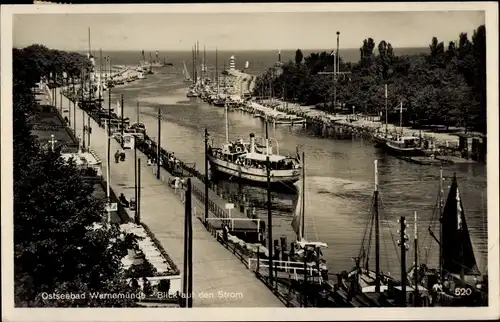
<point x="9" y="313"/>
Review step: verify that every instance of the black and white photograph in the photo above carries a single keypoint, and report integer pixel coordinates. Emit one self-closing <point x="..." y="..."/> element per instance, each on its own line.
<point x="245" y="156"/>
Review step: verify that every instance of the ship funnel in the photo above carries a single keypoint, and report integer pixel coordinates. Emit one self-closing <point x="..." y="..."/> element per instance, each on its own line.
<point x="252" y="143"/>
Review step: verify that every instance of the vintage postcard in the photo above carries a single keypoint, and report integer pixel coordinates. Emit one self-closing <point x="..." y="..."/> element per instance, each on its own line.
<point x="297" y="161"/>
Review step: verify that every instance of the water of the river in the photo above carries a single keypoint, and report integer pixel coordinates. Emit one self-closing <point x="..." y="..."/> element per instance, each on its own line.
<point x="340" y="176"/>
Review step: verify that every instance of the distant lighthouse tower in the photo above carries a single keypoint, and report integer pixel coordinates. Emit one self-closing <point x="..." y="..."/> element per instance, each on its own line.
<point x="232" y="63"/>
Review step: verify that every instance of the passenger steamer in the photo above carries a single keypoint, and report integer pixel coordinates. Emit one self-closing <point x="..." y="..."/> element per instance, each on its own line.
<point x="242" y="160"/>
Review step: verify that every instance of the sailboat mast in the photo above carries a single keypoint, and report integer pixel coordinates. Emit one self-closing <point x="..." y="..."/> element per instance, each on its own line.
<point x="269" y="221"/>
<point x="386" y="130"/>
<point x="100" y="76"/>
<point x="90" y="72"/>
<point x="415" y="269"/>
<point x="194" y="65"/>
<point x="90" y="51"/>
<point x="377" y="232"/>
<point x="198" y="54"/>
<point x="217" y="69"/>
<point x="267" y="138"/>
<point x="204" y="63"/>
<point x="227" y="128"/>
<point x="441" y="222"/>
<point x="302" y="220"/>
<point x="224" y="77"/>
<point x="401" y="117"/>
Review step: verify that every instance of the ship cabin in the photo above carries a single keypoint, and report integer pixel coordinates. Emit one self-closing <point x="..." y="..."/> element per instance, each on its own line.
<point x="404" y="142"/>
<point x="231" y="151"/>
<point x="259" y="161"/>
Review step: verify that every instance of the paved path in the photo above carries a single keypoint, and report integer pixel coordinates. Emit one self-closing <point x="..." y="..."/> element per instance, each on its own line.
<point x="220" y="279"/>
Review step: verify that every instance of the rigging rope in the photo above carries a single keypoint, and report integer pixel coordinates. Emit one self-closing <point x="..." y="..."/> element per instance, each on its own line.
<point x="361" y="253"/>
<point x="392" y="236"/>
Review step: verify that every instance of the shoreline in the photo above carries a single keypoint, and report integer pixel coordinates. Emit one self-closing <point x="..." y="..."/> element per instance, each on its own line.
<point x="445" y="145"/>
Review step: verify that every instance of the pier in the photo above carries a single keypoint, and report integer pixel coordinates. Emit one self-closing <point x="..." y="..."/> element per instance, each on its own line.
<point x="217" y="272"/>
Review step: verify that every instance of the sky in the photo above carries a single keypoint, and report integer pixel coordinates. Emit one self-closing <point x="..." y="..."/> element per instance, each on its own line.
<point x="240" y="31"/>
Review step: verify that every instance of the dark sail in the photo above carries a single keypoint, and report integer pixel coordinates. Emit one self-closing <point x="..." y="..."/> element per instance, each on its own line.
<point x="457" y="247"/>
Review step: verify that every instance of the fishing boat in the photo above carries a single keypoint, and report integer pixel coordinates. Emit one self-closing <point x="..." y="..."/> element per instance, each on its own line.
<point x="403" y="145"/>
<point x="457" y="262"/>
<point x="380" y="139"/>
<point x="361" y="282"/>
<point x="243" y="161"/>
<point x="304" y="250"/>
<point x="140" y="75"/>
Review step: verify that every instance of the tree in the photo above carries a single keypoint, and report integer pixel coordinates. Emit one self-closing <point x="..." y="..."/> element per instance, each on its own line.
<point x="479" y="84"/>
<point x="164" y="286"/>
<point x="441" y="86"/>
<point x="299" y="56"/>
<point x="366" y="51"/>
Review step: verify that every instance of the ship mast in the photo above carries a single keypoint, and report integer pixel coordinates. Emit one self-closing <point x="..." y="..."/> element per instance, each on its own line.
<point x="204" y="64"/>
<point x="401" y="118"/>
<point x="441" y="192"/>
<point x="227" y="128"/>
<point x="377" y="232"/>
<point x="386" y="129"/>
<point x="302" y="220"/>
<point x="415" y="269"/>
<point x="217" y="70"/>
<point x="91" y="90"/>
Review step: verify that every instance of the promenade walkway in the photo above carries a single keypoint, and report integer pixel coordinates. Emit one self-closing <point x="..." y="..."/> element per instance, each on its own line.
<point x="220" y="279"/>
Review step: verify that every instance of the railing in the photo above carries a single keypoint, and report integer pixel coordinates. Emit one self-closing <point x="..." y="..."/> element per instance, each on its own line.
<point x="295" y="268"/>
<point x="212" y="206"/>
<point x="232" y="220"/>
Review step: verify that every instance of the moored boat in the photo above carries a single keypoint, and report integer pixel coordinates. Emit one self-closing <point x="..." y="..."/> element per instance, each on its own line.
<point x="366" y="284"/>
<point x="403" y="145"/>
<point x="243" y="161"/>
<point x="458" y="279"/>
<point x="380" y="139"/>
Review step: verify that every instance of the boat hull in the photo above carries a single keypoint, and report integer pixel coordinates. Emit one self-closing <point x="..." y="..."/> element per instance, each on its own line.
<point x="379" y="142"/>
<point x="408" y="152"/>
<point x="251" y="174"/>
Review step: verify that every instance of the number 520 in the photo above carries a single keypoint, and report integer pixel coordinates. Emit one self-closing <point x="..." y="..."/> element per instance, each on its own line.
<point x="460" y="291"/>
